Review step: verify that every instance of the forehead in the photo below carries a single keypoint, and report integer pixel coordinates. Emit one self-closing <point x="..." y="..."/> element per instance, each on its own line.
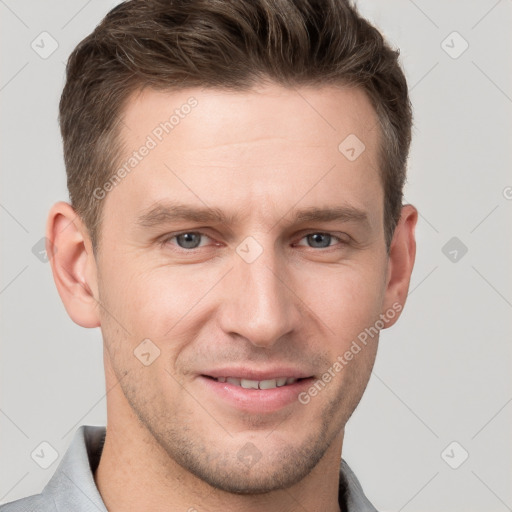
<point x="227" y="117"/>
<point x="269" y="146"/>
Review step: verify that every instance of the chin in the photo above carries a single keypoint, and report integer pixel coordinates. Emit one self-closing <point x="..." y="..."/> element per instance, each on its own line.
<point x="246" y="470"/>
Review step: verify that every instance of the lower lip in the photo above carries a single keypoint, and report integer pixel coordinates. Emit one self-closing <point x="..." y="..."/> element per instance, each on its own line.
<point x="256" y="400"/>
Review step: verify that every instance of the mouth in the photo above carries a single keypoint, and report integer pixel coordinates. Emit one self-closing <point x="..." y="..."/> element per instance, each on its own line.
<point x="258" y="392"/>
<point x="277" y="382"/>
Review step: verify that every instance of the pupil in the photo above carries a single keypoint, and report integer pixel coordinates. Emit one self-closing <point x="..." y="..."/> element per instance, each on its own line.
<point x="316" y="237"/>
<point x="188" y="239"/>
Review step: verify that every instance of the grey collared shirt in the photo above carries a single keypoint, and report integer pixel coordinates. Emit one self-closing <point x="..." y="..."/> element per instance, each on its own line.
<point x="72" y="487"/>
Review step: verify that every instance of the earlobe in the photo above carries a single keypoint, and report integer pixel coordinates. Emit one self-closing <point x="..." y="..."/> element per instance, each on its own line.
<point x="402" y="254"/>
<point x="73" y="264"/>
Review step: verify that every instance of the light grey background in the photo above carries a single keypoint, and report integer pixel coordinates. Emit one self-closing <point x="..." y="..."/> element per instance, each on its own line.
<point x="442" y="373"/>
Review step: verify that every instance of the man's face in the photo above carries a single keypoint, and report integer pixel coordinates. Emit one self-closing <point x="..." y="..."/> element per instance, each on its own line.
<point x="260" y="296"/>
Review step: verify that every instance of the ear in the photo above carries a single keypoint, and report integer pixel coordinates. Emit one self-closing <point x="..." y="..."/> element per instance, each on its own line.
<point x="402" y="253"/>
<point x="73" y="264"/>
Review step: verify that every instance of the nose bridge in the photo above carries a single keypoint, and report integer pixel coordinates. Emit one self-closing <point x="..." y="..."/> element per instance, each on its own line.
<point x="260" y="305"/>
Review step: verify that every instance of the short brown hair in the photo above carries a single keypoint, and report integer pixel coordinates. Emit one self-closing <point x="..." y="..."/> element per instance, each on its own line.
<point x="231" y="44"/>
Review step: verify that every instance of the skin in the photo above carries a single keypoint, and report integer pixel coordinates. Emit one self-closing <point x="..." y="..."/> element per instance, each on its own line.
<point x="259" y="155"/>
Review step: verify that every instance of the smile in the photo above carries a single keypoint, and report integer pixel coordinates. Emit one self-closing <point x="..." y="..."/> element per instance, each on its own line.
<point x="258" y="384"/>
<point x="257" y="392"/>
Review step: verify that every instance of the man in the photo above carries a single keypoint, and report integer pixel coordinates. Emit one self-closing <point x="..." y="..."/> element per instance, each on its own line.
<point x="236" y="229"/>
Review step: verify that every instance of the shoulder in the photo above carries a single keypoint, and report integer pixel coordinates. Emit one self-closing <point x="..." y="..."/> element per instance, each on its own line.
<point x="35" y="503"/>
<point x="72" y="486"/>
<point x="352" y="496"/>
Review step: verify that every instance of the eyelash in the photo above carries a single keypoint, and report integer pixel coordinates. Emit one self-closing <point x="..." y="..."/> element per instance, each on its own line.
<point x="167" y="239"/>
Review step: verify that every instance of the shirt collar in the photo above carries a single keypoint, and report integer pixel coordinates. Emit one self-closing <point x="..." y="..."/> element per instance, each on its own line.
<point x="72" y="487"/>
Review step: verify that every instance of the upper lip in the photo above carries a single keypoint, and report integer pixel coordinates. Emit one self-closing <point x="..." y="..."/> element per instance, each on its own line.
<point x="240" y="372"/>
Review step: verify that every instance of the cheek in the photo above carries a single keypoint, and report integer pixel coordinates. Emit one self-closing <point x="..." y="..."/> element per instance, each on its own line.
<point x="157" y="302"/>
<point x="347" y="299"/>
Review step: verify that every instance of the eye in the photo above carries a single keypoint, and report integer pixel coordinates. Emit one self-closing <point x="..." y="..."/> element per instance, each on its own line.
<point x="190" y="240"/>
<point x="321" y="240"/>
<point x="186" y="240"/>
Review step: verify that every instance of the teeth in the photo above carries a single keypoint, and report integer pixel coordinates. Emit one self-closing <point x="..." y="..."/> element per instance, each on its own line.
<point x="258" y="384"/>
<point x="268" y="384"/>
<point x="249" y="384"/>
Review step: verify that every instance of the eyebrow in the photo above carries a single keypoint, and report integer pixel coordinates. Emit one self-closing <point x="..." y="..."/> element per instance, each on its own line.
<point x="162" y="213"/>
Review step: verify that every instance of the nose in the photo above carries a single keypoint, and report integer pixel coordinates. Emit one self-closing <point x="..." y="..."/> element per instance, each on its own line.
<point x="259" y="303"/>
